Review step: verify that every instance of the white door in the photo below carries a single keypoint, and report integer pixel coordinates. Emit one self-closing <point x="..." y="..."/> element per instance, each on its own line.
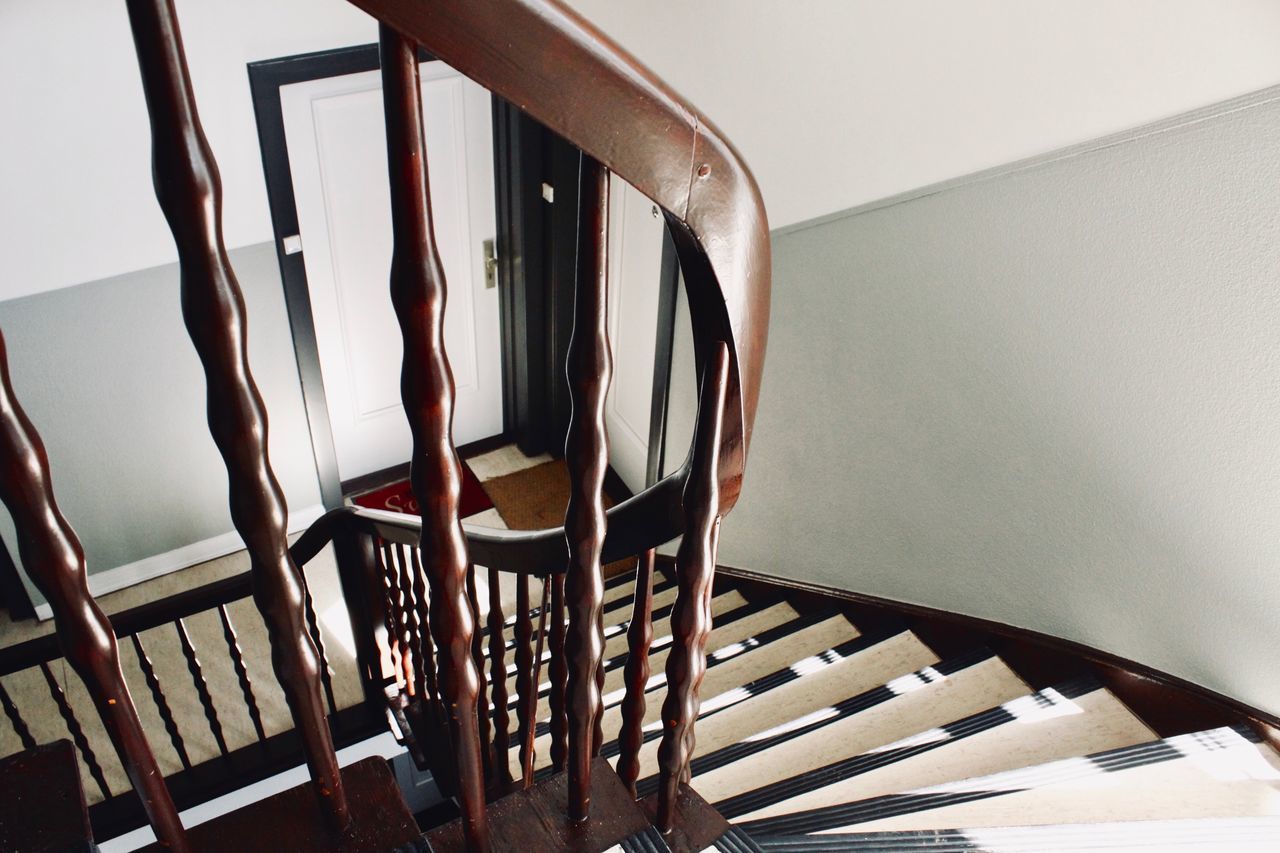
<point x="635" y="270"/>
<point x="337" y="155"/>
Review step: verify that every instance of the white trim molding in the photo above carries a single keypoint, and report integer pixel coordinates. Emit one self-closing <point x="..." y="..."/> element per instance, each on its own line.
<point x="158" y="565"/>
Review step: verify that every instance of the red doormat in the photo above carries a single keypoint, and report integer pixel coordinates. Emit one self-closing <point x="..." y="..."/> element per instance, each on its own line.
<point x="398" y="497"/>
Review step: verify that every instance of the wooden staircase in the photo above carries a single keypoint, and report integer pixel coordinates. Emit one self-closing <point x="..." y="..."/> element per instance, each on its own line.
<point x="663" y="710"/>
<point x="815" y="734"/>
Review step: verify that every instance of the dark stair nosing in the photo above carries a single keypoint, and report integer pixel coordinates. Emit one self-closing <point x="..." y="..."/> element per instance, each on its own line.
<point x="839" y="771"/>
<point x="736" y="840"/>
<point x="748" y="609"/>
<point x="779" y="678"/>
<point x="647" y="841"/>
<point x="842" y="710"/>
<point x="620" y="659"/>
<point x="608" y="607"/>
<point x="827" y="818"/>
<point x="1150" y="834"/>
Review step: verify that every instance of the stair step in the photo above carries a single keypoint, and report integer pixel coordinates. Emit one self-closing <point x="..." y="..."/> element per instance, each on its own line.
<point x="900" y="707"/>
<point x="745" y="626"/>
<point x="726" y="608"/>
<point x="1219" y="773"/>
<point x="810" y="686"/>
<point x="1202" y="835"/>
<point x="1076" y="718"/>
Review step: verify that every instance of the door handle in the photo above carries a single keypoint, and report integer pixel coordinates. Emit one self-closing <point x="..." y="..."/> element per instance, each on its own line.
<point x="490" y="264"/>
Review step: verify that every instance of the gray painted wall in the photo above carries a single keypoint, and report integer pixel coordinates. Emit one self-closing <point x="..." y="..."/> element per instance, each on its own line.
<point x="1048" y="396"/>
<point x="107" y="374"/>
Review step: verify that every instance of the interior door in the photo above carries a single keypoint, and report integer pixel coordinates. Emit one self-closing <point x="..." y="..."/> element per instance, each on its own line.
<point x="636" y="231"/>
<point x="337" y="156"/>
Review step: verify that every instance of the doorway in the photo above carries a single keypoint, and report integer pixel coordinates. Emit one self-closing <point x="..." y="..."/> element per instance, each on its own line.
<point x="506" y="198"/>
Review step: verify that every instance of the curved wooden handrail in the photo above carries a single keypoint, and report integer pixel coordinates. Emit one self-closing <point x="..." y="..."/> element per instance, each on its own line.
<point x="546" y="59"/>
<point x="646" y="520"/>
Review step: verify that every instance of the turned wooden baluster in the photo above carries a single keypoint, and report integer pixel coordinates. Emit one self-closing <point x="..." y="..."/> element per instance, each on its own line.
<point x="498" y="678"/>
<point x="558" y="670"/>
<point x="528" y="754"/>
<point x="587" y="455"/>
<point x="525" y="685"/>
<point x="695" y="571"/>
<point x="636" y="673"/>
<point x="477" y="657"/>
<point x="54" y="560"/>
<point x="190" y="194"/>
<point x="426" y="385"/>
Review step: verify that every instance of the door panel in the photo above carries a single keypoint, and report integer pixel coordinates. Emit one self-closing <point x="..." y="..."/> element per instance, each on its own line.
<point x="635" y="273"/>
<point x="337" y="156"/>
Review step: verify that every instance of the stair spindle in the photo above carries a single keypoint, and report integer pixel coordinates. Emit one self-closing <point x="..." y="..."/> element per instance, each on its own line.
<point x="477" y="656"/>
<point x="54" y="560"/>
<point x="242" y="673"/>
<point x="498" y="677"/>
<point x="410" y="640"/>
<point x="527" y="751"/>
<point x="559" y="672"/>
<point x="695" y="572"/>
<point x="76" y="730"/>
<point x="525" y="685"/>
<point x="587" y="456"/>
<point x="190" y="194"/>
<point x="425" y="648"/>
<point x="391" y="611"/>
<point x="636" y="673"/>
<point x="162" y="704"/>
<point x="418" y="295"/>
<point x="15" y="718"/>
<point x="201" y="686"/>
<point x="313" y="629"/>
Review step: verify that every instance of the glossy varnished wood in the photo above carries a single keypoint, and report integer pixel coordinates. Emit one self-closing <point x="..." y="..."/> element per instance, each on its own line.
<point x="559" y="673"/>
<point x="534" y="819"/>
<point x="525" y="685"/>
<point x="635" y="674"/>
<point x="561" y="70"/>
<point x="587" y="457"/>
<point x="418" y="295"/>
<point x="500" y="745"/>
<point x="54" y="560"/>
<point x="42" y="804"/>
<point x="162" y="704"/>
<point x="695" y="574"/>
<point x="292" y="819"/>
<point x="189" y="191"/>
<point x="242" y="672"/>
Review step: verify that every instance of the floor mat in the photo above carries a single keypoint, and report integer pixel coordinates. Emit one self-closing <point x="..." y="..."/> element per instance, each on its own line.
<point x="398" y="497"/>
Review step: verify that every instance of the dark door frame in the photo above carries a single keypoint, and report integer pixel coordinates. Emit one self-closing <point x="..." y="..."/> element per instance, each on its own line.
<point x="536" y="178"/>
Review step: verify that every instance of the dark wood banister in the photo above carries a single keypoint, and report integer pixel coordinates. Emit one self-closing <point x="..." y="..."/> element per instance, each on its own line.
<point x="189" y="190"/>
<point x="55" y="561"/>
<point x="549" y="61"/>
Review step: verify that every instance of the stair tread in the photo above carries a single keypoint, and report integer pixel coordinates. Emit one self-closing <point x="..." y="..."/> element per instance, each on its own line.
<point x="1196" y="835"/>
<point x="905" y="705"/>
<point x="1044" y="726"/>
<point x="724" y="636"/>
<point x="1219" y="773"/>
<point x="823" y="680"/>
<point x="616" y="634"/>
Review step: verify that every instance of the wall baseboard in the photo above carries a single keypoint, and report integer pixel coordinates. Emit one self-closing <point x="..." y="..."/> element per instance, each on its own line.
<point x="158" y="565"/>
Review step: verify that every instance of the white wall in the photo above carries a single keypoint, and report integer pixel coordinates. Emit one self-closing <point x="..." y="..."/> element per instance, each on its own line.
<point x="838" y="102"/>
<point x="75" y="150"/>
<point x="1045" y="396"/>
